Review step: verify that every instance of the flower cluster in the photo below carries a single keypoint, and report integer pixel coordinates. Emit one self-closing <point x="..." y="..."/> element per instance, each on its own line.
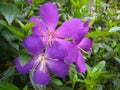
<point x="49" y="47"/>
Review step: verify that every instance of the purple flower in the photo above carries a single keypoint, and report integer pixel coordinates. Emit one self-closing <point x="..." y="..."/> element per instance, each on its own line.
<point x="52" y="59"/>
<point x="83" y="44"/>
<point x="45" y="28"/>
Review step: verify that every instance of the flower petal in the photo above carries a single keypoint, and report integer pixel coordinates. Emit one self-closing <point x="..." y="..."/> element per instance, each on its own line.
<point x="80" y="65"/>
<point x="38" y="28"/>
<point x="26" y="68"/>
<point x="49" y="15"/>
<point x="56" y="51"/>
<point x="69" y="28"/>
<point x="86" y="24"/>
<point x="78" y="37"/>
<point x="59" y="68"/>
<point x="41" y="75"/>
<point x="86" y="45"/>
<point x="72" y="50"/>
<point x="33" y="44"/>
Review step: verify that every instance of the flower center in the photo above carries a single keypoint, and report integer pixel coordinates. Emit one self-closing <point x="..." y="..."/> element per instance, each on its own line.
<point x="51" y="38"/>
<point x="51" y="35"/>
<point x="40" y="60"/>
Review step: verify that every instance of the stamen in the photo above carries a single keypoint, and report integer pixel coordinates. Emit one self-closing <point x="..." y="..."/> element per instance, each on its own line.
<point x="87" y="52"/>
<point x="52" y="59"/>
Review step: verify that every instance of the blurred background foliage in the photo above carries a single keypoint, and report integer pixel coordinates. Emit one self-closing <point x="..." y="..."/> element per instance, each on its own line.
<point x="103" y="65"/>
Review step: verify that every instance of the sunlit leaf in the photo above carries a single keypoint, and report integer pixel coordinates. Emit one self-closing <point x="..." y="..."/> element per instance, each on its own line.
<point x="114" y="29"/>
<point x="98" y="34"/>
<point x="99" y="67"/>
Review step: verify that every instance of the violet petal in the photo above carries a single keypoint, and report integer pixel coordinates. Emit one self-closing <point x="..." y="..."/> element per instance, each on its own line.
<point x="41" y="75"/>
<point x="80" y="65"/>
<point x="33" y="44"/>
<point x="38" y="28"/>
<point x="72" y="50"/>
<point x="69" y="28"/>
<point x="26" y="68"/>
<point x="59" y="68"/>
<point x="49" y="15"/>
<point x="56" y="51"/>
<point x="86" y="45"/>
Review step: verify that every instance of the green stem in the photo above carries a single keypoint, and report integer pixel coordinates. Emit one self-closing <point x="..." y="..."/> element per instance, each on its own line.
<point x="28" y="14"/>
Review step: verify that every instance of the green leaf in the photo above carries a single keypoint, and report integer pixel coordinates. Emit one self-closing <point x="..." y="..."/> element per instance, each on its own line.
<point x="98" y="34"/>
<point x="24" y="57"/>
<point x="37" y="2"/>
<point x="12" y="29"/>
<point x="117" y="59"/>
<point x="105" y="46"/>
<point x="66" y="88"/>
<point x="9" y="11"/>
<point x="56" y="81"/>
<point x="7" y="74"/>
<point x="25" y="88"/>
<point x="10" y="38"/>
<point x="114" y="29"/>
<point x="28" y="26"/>
<point x="99" y="67"/>
<point x="7" y="86"/>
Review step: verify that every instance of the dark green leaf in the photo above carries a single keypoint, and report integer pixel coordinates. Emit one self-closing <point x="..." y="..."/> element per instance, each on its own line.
<point x="117" y="59"/>
<point x="25" y="88"/>
<point x="66" y="88"/>
<point x="9" y="11"/>
<point x="12" y="29"/>
<point x="10" y="38"/>
<point x="7" y="86"/>
<point x="8" y="73"/>
<point x="56" y="81"/>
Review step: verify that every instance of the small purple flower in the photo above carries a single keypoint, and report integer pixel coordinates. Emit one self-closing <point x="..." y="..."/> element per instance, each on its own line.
<point x="52" y="59"/>
<point x="45" y="28"/>
<point x="85" y="45"/>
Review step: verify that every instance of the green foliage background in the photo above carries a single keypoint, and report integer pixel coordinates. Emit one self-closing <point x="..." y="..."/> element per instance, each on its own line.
<point x="103" y="65"/>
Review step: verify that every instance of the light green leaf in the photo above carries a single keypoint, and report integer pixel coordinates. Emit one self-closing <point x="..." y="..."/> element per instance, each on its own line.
<point x="99" y="67"/>
<point x="7" y="86"/>
<point x="37" y="2"/>
<point x="56" y="81"/>
<point x="9" y="11"/>
<point x="98" y="34"/>
<point x="114" y="29"/>
<point x="24" y="57"/>
<point x="28" y="26"/>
